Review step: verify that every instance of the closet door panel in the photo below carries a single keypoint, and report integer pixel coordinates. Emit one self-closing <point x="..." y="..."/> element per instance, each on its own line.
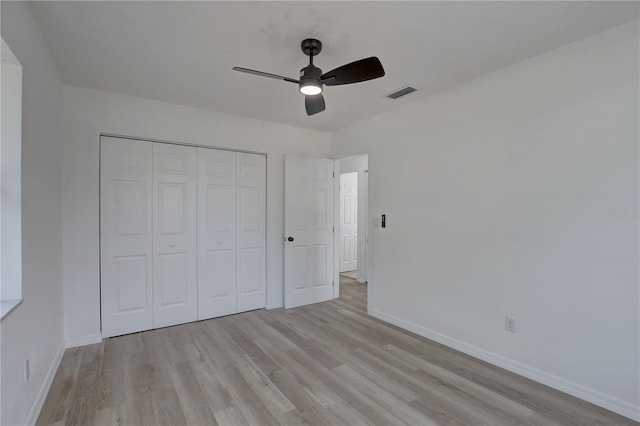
<point x="216" y="233"/>
<point x="125" y="236"/>
<point x="175" y="292"/>
<point x="251" y="229"/>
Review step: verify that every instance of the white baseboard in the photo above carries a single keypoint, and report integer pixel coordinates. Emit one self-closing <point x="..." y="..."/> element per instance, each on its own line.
<point x="34" y="413"/>
<point x="593" y="396"/>
<point x="84" y="340"/>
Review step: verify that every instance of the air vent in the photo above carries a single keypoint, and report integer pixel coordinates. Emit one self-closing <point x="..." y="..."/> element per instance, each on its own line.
<point x="402" y="92"/>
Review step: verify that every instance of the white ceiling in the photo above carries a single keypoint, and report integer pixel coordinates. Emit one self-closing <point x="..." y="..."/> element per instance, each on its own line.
<point x="183" y="52"/>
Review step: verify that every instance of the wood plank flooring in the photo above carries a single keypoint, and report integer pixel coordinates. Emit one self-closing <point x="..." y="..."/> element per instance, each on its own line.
<point x="325" y="364"/>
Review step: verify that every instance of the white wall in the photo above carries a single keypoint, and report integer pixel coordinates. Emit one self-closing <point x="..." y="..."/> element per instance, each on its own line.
<point x="498" y="196"/>
<point x="34" y="329"/>
<point x="87" y="113"/>
<point x="358" y="164"/>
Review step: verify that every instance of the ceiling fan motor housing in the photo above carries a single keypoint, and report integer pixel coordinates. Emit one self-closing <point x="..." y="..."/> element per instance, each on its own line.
<point x="310" y="75"/>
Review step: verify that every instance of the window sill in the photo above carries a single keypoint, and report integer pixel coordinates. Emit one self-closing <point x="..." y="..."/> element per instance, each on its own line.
<point x="7" y="306"/>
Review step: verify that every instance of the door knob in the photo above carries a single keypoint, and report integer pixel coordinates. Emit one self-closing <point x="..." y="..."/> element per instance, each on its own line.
<point x="172" y="245"/>
<point x="290" y="239"/>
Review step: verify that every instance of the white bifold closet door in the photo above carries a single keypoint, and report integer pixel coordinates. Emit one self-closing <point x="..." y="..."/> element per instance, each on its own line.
<point x="251" y="231"/>
<point x="183" y="234"/>
<point x="175" y="247"/>
<point x="217" y="233"/>
<point x="126" y="236"/>
<point x="232" y="229"/>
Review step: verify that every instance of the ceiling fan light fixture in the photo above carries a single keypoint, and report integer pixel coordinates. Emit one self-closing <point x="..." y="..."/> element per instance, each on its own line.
<point x="312" y="80"/>
<point x="310" y="88"/>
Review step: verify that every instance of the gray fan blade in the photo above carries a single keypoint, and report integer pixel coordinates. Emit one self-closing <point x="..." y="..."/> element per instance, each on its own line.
<point x="314" y="104"/>
<point x="265" y="74"/>
<point x="355" y="72"/>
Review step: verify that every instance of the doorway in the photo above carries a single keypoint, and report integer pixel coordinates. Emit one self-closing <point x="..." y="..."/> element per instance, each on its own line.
<point x="351" y="230"/>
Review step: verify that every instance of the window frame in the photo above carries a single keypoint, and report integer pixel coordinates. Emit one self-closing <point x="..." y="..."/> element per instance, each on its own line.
<point x="10" y="182"/>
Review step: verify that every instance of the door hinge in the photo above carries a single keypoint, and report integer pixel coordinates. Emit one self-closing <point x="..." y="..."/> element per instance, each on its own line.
<point x="333" y="283"/>
<point x="333" y="229"/>
<point x="334" y="175"/>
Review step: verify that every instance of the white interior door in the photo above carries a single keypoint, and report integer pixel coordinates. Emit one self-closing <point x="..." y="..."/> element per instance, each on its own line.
<point x="251" y="231"/>
<point x="216" y="233"/>
<point x="125" y="236"/>
<point x="348" y="222"/>
<point x="308" y="226"/>
<point x="175" y="281"/>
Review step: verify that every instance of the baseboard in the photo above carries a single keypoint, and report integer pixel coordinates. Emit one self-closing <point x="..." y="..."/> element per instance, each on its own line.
<point x="34" y="413"/>
<point x="84" y="340"/>
<point x="579" y="391"/>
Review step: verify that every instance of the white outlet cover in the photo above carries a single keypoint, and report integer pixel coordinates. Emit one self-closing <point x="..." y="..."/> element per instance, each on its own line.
<point x="510" y="324"/>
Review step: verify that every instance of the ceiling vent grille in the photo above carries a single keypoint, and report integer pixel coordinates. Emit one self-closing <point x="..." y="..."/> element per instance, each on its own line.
<point x="402" y="92"/>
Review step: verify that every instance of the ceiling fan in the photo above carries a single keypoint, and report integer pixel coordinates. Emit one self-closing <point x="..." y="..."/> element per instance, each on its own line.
<point x="312" y="79"/>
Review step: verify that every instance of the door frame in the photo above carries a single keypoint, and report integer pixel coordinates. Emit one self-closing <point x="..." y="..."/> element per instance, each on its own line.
<point x="368" y="253"/>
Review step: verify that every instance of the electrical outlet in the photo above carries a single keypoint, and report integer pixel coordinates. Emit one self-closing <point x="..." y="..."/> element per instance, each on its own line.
<point x="510" y="324"/>
<point x="27" y="370"/>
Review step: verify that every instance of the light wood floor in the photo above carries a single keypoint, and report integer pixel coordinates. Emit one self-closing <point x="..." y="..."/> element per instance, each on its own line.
<point x="349" y="274"/>
<point x="327" y="363"/>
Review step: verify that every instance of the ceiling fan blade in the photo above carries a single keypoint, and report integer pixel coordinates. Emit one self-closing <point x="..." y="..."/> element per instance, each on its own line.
<point x="314" y="104"/>
<point x="355" y="72"/>
<point x="265" y="74"/>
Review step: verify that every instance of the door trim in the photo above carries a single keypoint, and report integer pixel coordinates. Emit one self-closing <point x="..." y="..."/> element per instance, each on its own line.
<point x="115" y="135"/>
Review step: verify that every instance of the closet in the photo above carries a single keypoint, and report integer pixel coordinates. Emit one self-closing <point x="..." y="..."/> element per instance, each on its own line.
<point x="182" y="234"/>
